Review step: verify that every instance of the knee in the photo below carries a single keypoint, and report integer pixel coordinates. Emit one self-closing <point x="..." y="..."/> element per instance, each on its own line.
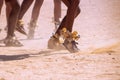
<point x="78" y="12"/>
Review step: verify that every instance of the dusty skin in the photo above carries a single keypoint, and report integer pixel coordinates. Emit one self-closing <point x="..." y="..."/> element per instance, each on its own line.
<point x="98" y="58"/>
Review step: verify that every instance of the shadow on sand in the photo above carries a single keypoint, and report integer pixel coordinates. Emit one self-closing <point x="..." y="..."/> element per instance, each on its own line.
<point x="24" y="56"/>
<point x="13" y="57"/>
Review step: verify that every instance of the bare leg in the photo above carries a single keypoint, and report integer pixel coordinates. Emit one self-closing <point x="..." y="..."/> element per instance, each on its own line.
<point x="8" y="11"/>
<point x="24" y="7"/>
<point x="36" y="9"/>
<point x="72" y="12"/>
<point x="12" y="19"/>
<point x="64" y="33"/>
<point x="57" y="13"/>
<point x="1" y="4"/>
<point x="34" y="18"/>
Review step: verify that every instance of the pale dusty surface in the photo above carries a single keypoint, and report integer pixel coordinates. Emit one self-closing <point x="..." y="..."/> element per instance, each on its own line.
<point x="99" y="56"/>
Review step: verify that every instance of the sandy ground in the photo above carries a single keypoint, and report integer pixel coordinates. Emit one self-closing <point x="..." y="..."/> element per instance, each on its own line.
<point x="98" y="58"/>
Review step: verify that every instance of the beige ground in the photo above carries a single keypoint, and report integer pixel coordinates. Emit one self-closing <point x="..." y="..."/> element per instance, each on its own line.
<point x="99" y="56"/>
